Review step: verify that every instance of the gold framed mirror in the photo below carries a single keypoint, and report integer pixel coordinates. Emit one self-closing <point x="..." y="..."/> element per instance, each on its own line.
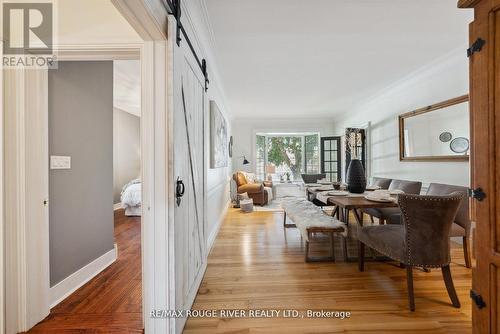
<point x="439" y="132"/>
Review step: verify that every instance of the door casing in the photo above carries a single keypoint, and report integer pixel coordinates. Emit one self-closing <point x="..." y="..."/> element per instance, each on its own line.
<point x="148" y="17"/>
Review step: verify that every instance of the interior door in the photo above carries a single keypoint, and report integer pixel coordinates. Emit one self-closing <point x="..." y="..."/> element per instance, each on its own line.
<point x="330" y="158"/>
<point x="189" y="171"/>
<point x="485" y="163"/>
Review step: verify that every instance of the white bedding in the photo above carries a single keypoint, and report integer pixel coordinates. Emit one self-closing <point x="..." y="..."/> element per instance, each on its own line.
<point x="131" y="198"/>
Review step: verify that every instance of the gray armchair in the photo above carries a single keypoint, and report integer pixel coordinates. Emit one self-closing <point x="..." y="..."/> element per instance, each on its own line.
<point x="421" y="241"/>
<point x="409" y="187"/>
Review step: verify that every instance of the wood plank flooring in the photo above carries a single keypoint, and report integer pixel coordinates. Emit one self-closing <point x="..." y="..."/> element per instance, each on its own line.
<point x="111" y="302"/>
<point x="255" y="264"/>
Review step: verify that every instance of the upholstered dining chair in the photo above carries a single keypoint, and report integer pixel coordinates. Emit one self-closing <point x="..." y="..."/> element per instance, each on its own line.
<point x="421" y="241"/>
<point x="408" y="187"/>
<point x="381" y="182"/>
<point x="461" y="225"/>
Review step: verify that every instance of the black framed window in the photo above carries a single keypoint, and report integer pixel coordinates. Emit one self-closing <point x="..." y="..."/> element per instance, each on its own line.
<point x="331" y="158"/>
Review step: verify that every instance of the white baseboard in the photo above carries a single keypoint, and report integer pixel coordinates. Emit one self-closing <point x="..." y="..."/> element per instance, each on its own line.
<point x="66" y="287"/>
<point x="215" y="231"/>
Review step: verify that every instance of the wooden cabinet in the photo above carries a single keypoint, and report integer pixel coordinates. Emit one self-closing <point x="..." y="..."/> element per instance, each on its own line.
<point x="485" y="160"/>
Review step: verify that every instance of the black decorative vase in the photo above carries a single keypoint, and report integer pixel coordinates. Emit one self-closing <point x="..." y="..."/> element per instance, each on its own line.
<point x="356" y="179"/>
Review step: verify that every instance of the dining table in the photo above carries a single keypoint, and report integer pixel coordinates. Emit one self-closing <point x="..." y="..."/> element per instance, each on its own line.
<point x="355" y="203"/>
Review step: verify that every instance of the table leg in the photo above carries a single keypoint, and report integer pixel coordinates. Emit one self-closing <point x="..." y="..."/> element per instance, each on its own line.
<point x="359" y="218"/>
<point x="335" y="212"/>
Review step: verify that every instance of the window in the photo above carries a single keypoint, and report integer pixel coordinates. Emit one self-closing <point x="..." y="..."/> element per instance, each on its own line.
<point x="289" y="155"/>
<point x="312" y="154"/>
<point x="260" y="157"/>
<point x="330" y="158"/>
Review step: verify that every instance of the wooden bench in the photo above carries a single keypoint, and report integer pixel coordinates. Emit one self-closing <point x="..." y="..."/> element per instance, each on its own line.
<point x="310" y="220"/>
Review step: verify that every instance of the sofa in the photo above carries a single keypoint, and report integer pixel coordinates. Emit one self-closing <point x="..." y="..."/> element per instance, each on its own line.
<point x="260" y="192"/>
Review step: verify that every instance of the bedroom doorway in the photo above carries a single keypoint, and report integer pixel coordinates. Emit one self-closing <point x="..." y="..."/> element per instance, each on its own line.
<point x="94" y="121"/>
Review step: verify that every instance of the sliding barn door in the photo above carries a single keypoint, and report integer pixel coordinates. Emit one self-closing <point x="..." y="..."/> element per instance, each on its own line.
<point x="190" y="105"/>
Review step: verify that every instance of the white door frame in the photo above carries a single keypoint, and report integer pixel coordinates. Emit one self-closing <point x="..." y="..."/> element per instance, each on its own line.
<point x="149" y="19"/>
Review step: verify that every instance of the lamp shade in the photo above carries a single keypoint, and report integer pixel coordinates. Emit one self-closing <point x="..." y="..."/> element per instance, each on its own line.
<point x="270" y="169"/>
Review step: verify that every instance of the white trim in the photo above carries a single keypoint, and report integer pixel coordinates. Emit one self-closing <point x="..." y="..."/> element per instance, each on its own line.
<point x="89" y="52"/>
<point x="215" y="231"/>
<point x="26" y="219"/>
<point x="73" y="282"/>
<point x="117" y="206"/>
<point x="2" y="220"/>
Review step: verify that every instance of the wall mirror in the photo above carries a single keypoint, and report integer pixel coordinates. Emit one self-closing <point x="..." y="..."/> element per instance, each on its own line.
<point x="439" y="132"/>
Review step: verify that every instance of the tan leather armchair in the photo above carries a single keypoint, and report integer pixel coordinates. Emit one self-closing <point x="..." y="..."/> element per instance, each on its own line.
<point x="255" y="191"/>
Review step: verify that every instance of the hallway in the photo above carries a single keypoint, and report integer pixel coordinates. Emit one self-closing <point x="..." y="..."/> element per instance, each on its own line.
<point x="255" y="265"/>
<point x="111" y="302"/>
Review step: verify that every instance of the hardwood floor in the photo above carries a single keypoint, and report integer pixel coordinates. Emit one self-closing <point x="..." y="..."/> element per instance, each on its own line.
<point x="111" y="302"/>
<point x="254" y="264"/>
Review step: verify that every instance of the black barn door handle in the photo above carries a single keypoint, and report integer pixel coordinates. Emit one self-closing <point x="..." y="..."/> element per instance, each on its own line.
<point x="179" y="190"/>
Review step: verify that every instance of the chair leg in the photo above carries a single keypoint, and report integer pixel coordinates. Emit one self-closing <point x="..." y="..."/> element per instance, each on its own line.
<point x="449" y="286"/>
<point x="373" y="221"/>
<point x="284" y="219"/>
<point x="467" y="252"/>
<point x="344" y="249"/>
<point x="381" y="221"/>
<point x="409" y="283"/>
<point x="361" y="256"/>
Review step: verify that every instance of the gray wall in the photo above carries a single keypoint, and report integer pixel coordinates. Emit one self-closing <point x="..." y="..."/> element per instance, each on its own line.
<point x="126" y="150"/>
<point x="81" y="198"/>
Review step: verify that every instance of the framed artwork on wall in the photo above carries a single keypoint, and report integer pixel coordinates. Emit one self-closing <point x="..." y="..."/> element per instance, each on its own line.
<point x="219" y="147"/>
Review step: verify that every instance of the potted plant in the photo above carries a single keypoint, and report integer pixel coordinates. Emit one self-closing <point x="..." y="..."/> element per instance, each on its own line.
<point x="356" y="179"/>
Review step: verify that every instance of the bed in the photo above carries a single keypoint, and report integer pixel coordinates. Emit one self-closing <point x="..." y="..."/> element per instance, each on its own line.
<point x="131" y="198"/>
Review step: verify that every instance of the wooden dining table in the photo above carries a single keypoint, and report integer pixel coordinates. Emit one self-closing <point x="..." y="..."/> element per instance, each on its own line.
<point x="355" y="202"/>
<point x="345" y="204"/>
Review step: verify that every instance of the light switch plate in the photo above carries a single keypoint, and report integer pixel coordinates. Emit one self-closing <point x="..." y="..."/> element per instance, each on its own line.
<point x="60" y="162"/>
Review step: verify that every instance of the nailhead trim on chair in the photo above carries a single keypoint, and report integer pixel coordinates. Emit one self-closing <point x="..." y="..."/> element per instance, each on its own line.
<point x="402" y="199"/>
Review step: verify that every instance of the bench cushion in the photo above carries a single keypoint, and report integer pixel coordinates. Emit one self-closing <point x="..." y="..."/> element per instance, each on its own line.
<point x="306" y="215"/>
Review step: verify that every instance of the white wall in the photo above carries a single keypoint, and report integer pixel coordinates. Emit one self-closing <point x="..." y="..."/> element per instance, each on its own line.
<point x="195" y="19"/>
<point x="126" y="150"/>
<point x="244" y="131"/>
<point x="91" y="22"/>
<point x="441" y="80"/>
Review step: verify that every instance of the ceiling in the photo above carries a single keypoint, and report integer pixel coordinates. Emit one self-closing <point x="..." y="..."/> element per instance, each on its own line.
<point x="321" y="58"/>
